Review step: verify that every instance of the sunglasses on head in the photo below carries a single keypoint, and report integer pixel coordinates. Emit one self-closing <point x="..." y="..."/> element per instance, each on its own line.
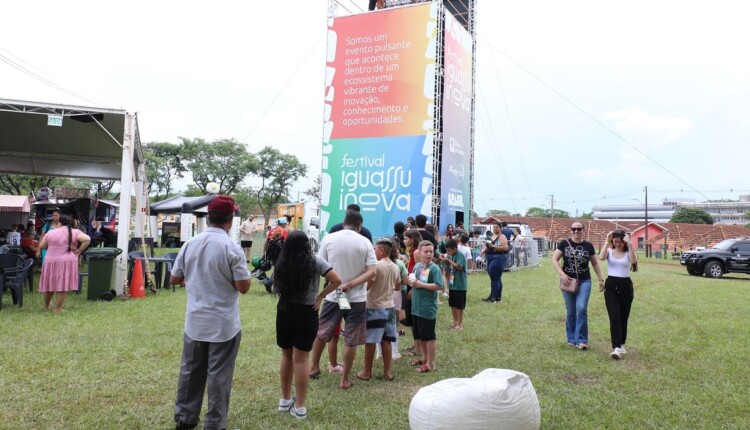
<point x="576" y="229"/>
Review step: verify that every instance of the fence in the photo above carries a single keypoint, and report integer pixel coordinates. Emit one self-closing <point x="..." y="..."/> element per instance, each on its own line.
<point x="525" y="253"/>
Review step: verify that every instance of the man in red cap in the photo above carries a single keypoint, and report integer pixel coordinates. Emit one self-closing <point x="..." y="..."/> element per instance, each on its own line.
<point x="214" y="271"/>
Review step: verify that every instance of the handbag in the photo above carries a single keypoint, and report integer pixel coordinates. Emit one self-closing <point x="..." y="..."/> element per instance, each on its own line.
<point x="572" y="286"/>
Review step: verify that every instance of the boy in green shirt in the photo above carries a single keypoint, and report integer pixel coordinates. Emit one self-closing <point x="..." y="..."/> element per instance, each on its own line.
<point x="457" y="283"/>
<point x="426" y="280"/>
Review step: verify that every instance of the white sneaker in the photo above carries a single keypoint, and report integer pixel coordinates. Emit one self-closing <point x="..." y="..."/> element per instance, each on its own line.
<point x="616" y="354"/>
<point x="338" y="368"/>
<point x="395" y="355"/>
<point x="299" y="413"/>
<point x="286" y="405"/>
<point x="622" y="349"/>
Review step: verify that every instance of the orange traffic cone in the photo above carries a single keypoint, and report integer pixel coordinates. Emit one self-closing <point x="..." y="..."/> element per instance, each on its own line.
<point x="137" y="289"/>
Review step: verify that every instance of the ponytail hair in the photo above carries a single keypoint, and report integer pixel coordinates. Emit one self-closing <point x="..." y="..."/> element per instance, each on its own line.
<point x="65" y="222"/>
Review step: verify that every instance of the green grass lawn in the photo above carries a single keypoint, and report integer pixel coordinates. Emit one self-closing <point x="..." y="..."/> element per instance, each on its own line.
<point x="114" y="365"/>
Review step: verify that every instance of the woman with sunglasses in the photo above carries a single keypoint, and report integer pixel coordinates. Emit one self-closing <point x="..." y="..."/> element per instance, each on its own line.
<point x="576" y="254"/>
<point x="618" y="289"/>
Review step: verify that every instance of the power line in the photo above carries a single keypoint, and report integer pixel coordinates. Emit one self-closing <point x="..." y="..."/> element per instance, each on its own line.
<point x="283" y="88"/>
<point x="510" y="122"/>
<point x="591" y="117"/>
<point x="40" y="78"/>
<point x="495" y="147"/>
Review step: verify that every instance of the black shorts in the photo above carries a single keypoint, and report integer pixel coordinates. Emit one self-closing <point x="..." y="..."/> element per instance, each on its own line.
<point x="457" y="299"/>
<point x="423" y="329"/>
<point x="296" y="326"/>
<point x="406" y="305"/>
<point x="246" y="243"/>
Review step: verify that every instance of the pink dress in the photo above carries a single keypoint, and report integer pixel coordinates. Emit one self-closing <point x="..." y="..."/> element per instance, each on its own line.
<point x="60" y="270"/>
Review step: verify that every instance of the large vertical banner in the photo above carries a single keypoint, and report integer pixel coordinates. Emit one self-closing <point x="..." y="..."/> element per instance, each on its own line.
<point x="379" y="116"/>
<point x="455" y="175"/>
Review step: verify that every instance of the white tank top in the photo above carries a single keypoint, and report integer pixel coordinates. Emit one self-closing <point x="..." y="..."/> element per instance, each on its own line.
<point x="619" y="267"/>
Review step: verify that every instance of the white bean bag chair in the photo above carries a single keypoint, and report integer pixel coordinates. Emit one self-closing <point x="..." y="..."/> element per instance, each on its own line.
<point x="492" y="399"/>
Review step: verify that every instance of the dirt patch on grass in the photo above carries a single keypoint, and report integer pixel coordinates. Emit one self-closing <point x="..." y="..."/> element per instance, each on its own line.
<point x="580" y="380"/>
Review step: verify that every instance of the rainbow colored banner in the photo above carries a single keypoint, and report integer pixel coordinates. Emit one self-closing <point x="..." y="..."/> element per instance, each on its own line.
<point x="378" y="144"/>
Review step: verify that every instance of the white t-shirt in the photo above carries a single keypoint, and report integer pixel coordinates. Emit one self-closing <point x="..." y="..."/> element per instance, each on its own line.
<point x="349" y="253"/>
<point x="246" y="230"/>
<point x="466" y="251"/>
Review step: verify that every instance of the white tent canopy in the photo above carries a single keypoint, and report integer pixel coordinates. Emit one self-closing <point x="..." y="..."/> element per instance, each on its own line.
<point x="75" y="141"/>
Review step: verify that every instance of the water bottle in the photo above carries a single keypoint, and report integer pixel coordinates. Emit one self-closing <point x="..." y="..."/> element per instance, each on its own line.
<point x="343" y="301"/>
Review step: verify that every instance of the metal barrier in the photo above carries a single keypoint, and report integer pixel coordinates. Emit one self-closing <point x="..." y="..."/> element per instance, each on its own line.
<point x="524" y="254"/>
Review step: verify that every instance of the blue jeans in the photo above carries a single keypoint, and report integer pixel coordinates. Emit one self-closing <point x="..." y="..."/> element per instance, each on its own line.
<point x="576" y="307"/>
<point x="495" y="266"/>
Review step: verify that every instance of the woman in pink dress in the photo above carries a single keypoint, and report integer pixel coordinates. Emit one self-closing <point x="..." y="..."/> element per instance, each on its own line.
<point x="64" y="246"/>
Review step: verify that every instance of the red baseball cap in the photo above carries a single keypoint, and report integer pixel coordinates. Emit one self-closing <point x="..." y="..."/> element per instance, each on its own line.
<point x="223" y="204"/>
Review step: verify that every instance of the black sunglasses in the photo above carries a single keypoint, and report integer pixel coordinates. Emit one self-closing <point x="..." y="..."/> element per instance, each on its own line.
<point x="576" y="229"/>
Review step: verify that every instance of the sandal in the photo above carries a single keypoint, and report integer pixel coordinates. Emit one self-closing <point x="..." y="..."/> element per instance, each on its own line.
<point x="423" y="368"/>
<point x="411" y="354"/>
<point x="314" y="375"/>
<point x="417" y="363"/>
<point x="346" y="385"/>
<point x="361" y="378"/>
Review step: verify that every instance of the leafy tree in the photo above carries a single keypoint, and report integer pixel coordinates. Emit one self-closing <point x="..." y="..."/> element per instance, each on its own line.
<point x="23" y="185"/>
<point x="314" y="190"/>
<point x="498" y="212"/>
<point x="226" y="162"/>
<point x="246" y="199"/>
<point x="163" y="166"/>
<point x="691" y="216"/>
<point x="277" y="173"/>
<point x="588" y="215"/>
<point x="193" y="191"/>
<point x="546" y="213"/>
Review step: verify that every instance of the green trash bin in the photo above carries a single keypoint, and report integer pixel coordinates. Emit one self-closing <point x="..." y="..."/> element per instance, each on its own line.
<point x="101" y="269"/>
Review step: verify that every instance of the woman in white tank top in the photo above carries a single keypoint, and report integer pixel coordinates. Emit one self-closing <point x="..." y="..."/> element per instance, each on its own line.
<point x="618" y="288"/>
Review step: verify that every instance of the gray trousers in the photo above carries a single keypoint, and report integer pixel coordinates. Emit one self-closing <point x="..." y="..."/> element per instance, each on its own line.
<point x="202" y="362"/>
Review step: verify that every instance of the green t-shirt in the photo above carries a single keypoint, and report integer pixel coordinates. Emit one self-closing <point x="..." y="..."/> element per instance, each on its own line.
<point x="458" y="281"/>
<point x="423" y="301"/>
<point x="402" y="272"/>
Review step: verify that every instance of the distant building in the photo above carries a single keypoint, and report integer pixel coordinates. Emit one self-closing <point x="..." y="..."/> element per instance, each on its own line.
<point x="723" y="212"/>
<point x="625" y="213"/>
<point x="656" y="213"/>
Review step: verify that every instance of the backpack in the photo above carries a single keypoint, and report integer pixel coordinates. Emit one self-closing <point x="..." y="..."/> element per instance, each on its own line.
<point x="273" y="248"/>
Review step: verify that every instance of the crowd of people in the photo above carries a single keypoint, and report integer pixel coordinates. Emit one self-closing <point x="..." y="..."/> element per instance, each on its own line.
<point x="378" y="290"/>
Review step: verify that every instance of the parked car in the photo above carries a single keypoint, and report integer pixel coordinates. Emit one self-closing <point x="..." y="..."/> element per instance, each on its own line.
<point x="728" y="256"/>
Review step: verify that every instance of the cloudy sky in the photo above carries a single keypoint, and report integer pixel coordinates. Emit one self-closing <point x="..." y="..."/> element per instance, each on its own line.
<point x="588" y="101"/>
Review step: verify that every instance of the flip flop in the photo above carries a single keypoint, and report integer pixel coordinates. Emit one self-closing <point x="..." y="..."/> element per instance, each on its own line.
<point x="347" y="385"/>
<point x="423" y="368"/>
<point x="314" y="375"/>
<point x="411" y="354"/>
<point x="391" y="378"/>
<point x="361" y="378"/>
<point x="417" y="363"/>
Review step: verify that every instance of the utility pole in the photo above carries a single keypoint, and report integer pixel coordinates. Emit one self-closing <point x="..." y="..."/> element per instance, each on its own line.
<point x="645" y="240"/>
<point x="551" y="215"/>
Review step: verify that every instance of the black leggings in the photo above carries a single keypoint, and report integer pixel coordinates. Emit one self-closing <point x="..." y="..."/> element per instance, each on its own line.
<point x="618" y="297"/>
